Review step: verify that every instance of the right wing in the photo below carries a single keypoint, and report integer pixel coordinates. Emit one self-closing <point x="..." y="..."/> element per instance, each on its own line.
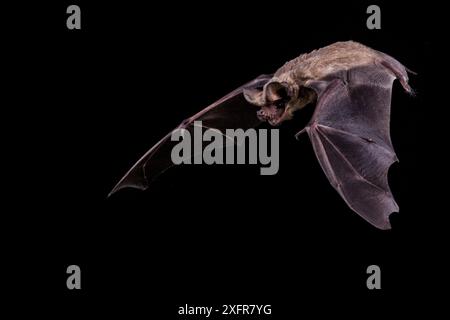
<point x="350" y="135"/>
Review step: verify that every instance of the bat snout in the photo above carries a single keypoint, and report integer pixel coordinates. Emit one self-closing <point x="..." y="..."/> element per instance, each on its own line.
<point x="273" y="114"/>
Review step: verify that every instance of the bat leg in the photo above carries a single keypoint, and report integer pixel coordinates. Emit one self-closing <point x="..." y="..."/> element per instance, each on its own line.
<point x="297" y="135"/>
<point x="400" y="72"/>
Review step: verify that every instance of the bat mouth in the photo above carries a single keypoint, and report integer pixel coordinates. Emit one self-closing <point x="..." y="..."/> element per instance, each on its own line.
<point x="272" y="113"/>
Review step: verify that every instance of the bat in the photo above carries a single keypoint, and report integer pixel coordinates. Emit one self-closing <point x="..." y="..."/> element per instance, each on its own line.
<point x="351" y="87"/>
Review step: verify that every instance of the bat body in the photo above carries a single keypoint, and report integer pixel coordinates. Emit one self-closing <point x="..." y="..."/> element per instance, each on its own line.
<point x="350" y="85"/>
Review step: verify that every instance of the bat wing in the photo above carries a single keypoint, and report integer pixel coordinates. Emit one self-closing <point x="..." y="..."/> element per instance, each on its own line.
<point x="349" y="131"/>
<point x="232" y="111"/>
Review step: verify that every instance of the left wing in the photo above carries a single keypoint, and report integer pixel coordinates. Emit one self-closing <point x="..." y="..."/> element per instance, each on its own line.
<point x="232" y="111"/>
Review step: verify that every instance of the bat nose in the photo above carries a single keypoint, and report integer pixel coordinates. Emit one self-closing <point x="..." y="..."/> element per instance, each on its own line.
<point x="261" y="115"/>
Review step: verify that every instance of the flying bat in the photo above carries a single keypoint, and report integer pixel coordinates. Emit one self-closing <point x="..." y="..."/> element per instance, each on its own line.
<point x="350" y="85"/>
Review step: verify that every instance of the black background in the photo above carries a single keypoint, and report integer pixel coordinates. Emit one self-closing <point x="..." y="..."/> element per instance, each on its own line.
<point x="91" y="102"/>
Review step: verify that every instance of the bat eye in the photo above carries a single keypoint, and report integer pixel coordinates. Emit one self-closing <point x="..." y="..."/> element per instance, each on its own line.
<point x="279" y="103"/>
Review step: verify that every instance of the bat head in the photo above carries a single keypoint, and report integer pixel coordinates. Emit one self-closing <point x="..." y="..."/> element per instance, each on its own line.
<point x="278" y="100"/>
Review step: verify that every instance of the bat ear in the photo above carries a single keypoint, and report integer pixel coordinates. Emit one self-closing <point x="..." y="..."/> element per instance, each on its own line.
<point x="279" y="90"/>
<point x="254" y="96"/>
<point x="272" y="91"/>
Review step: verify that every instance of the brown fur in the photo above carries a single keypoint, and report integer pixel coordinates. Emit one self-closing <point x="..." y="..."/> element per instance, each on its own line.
<point x="297" y="75"/>
<point x="319" y="63"/>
